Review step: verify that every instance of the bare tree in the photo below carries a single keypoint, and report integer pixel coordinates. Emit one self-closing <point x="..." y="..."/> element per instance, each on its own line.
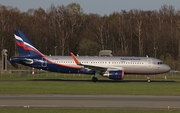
<point x="138" y="31"/>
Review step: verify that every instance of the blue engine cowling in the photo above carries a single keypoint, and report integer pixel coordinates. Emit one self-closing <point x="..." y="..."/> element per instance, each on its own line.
<point x="116" y="75"/>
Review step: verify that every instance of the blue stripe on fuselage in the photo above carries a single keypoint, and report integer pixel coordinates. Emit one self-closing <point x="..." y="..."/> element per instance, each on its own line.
<point x="60" y="68"/>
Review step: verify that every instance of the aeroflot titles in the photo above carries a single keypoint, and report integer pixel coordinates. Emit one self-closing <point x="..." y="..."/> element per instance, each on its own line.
<point x="130" y="59"/>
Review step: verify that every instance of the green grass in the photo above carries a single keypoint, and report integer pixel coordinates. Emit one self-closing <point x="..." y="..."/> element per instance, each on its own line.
<point x="49" y="75"/>
<point x="61" y="87"/>
<point x="18" y="110"/>
<point x="53" y="83"/>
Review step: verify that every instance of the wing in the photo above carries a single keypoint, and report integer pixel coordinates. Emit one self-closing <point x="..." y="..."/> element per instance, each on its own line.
<point x="95" y="68"/>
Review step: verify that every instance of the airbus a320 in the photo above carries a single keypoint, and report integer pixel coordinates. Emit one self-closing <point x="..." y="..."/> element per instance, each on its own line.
<point x="113" y="67"/>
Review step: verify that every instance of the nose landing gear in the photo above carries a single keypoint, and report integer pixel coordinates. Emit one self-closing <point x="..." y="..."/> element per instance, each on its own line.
<point x="148" y="78"/>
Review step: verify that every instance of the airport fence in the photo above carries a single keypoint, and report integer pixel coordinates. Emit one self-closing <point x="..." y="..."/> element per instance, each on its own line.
<point x="45" y="74"/>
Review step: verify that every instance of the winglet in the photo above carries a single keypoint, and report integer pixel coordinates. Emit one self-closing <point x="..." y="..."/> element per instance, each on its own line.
<point x="75" y="59"/>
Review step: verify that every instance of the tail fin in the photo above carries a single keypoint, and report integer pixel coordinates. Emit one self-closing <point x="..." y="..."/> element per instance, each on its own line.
<point x="25" y="46"/>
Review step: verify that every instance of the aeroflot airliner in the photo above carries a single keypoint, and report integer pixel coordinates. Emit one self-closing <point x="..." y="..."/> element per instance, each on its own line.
<point x="111" y="67"/>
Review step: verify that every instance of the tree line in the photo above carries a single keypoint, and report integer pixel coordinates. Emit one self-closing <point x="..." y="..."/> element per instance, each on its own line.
<point x="63" y="29"/>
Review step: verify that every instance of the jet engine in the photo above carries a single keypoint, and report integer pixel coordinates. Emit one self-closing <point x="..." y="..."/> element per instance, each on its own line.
<point x="116" y="75"/>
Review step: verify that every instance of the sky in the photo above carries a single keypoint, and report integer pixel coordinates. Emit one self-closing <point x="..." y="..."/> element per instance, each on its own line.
<point x="101" y="7"/>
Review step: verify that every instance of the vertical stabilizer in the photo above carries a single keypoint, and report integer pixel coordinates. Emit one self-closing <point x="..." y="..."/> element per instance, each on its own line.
<point x="25" y="46"/>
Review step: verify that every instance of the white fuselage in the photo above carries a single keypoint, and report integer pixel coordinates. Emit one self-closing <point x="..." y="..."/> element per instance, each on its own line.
<point x="130" y="65"/>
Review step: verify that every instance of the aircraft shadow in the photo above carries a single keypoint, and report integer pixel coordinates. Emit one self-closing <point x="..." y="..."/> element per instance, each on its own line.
<point x="61" y="80"/>
<point x="113" y="81"/>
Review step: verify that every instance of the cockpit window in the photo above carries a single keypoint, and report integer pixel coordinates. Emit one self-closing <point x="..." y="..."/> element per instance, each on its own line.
<point x="160" y="63"/>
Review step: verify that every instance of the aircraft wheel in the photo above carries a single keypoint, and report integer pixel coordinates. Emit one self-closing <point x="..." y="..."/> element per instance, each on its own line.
<point x="149" y="78"/>
<point x="94" y="79"/>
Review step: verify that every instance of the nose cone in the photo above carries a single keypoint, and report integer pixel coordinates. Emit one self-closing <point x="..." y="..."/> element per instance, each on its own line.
<point x="167" y="68"/>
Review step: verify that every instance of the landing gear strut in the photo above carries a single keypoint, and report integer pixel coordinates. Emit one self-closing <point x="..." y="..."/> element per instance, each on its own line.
<point x="149" y="78"/>
<point x="94" y="79"/>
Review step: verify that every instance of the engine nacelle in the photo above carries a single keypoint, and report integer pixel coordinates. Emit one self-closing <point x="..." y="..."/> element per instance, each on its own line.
<point x="116" y="75"/>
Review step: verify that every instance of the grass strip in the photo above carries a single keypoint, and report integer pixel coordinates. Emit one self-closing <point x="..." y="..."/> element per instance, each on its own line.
<point x="117" y="88"/>
<point x="18" y="110"/>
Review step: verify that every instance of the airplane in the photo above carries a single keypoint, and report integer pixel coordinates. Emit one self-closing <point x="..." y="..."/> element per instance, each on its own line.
<point x="113" y="67"/>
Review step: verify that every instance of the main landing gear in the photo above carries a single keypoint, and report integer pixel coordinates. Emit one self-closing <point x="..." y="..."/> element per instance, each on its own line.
<point x="94" y="79"/>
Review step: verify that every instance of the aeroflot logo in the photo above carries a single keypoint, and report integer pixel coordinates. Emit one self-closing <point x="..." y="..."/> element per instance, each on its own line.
<point x="21" y="40"/>
<point x="130" y="59"/>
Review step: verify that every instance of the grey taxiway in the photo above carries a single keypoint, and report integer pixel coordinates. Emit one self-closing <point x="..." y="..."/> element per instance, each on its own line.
<point x="91" y="101"/>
